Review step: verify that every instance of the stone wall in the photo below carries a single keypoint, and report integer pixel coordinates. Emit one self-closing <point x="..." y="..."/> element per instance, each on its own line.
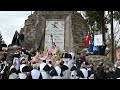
<point x="95" y="59"/>
<point x="75" y="28"/>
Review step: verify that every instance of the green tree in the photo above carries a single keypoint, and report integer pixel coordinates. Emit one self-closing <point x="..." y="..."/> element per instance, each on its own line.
<point x="96" y="20"/>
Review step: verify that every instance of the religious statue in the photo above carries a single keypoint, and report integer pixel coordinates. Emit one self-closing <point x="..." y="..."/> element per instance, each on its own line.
<point x="15" y="40"/>
<point x="18" y="39"/>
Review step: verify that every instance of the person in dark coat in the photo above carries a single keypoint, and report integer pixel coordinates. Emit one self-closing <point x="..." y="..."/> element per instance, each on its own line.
<point x="29" y="55"/>
<point x="83" y="72"/>
<point x="116" y="74"/>
<point x="13" y="74"/>
<point x="4" y="69"/>
<point x="100" y="73"/>
<point x="80" y="60"/>
<point x="103" y="48"/>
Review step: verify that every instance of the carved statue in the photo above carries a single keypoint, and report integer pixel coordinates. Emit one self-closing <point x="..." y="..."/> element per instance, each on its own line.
<point x="18" y="39"/>
<point x="15" y="38"/>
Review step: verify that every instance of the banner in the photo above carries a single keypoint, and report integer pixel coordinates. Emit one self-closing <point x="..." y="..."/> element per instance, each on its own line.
<point x="98" y="40"/>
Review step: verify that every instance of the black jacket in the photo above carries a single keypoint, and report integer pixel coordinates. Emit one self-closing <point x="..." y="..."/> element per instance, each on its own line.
<point x="116" y="74"/>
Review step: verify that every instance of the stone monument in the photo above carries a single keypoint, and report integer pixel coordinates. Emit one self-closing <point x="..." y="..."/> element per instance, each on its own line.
<point x="68" y="30"/>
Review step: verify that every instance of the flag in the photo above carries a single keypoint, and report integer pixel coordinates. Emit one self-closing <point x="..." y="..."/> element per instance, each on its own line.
<point x="91" y="44"/>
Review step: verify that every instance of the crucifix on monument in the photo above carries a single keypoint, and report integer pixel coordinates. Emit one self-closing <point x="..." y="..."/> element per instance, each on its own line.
<point x="52" y="39"/>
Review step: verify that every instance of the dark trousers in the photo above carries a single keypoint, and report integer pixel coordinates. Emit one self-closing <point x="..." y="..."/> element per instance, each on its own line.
<point x="95" y="52"/>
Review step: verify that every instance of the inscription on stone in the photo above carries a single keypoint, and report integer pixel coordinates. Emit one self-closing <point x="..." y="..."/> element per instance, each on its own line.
<point x="56" y="29"/>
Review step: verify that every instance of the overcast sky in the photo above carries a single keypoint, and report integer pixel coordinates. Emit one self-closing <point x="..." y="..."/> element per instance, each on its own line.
<point x="10" y="21"/>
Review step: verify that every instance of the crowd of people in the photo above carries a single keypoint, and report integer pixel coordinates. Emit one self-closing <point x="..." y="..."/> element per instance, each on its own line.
<point x="31" y="64"/>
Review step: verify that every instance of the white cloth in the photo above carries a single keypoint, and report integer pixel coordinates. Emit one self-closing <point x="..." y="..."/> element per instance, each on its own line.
<point x="49" y="65"/>
<point x="73" y="75"/>
<point x="12" y="67"/>
<point x="17" y="61"/>
<point x="85" y="73"/>
<point x="72" y="54"/>
<point x="42" y="65"/>
<point x="21" y="67"/>
<point x="66" y="74"/>
<point x="44" y="73"/>
<point x="22" y="75"/>
<point x="91" y="76"/>
<point x="35" y="74"/>
<point x="70" y="63"/>
<point x="58" y="70"/>
<point x="13" y="76"/>
<point x="65" y="60"/>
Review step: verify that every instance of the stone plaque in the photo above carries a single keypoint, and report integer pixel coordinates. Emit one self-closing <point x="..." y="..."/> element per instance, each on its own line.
<point x="56" y="29"/>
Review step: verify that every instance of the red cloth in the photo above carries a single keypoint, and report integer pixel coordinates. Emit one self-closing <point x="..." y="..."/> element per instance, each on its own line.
<point x="85" y="44"/>
<point x="88" y="40"/>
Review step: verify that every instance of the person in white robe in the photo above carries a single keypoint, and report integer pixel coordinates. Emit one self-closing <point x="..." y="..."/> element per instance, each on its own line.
<point x="83" y="73"/>
<point x="65" y="71"/>
<point x="23" y="64"/>
<point x="25" y="72"/>
<point x="73" y="72"/>
<point x="13" y="73"/>
<point x="50" y="65"/>
<point x="56" y="72"/>
<point x="16" y="61"/>
<point x="91" y="70"/>
<point x="43" y="72"/>
<point x="22" y="75"/>
<point x="72" y="60"/>
<point x="35" y="73"/>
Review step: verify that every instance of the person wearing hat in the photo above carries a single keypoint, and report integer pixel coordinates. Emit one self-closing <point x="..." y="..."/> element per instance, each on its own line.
<point x="56" y="73"/>
<point x="35" y="73"/>
<point x="13" y="73"/>
<point x="83" y="72"/>
<point x="24" y="69"/>
<point x="65" y="70"/>
<point x="23" y="64"/>
<point x="73" y="74"/>
<point x="44" y="68"/>
<point x="25" y="72"/>
<point x="66" y="56"/>
<point x="72" y="60"/>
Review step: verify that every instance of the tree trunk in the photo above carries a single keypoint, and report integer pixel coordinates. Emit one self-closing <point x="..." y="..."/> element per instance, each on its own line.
<point x="112" y="37"/>
<point x="103" y="25"/>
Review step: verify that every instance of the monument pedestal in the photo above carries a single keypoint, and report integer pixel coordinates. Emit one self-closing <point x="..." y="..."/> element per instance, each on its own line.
<point x="68" y="29"/>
